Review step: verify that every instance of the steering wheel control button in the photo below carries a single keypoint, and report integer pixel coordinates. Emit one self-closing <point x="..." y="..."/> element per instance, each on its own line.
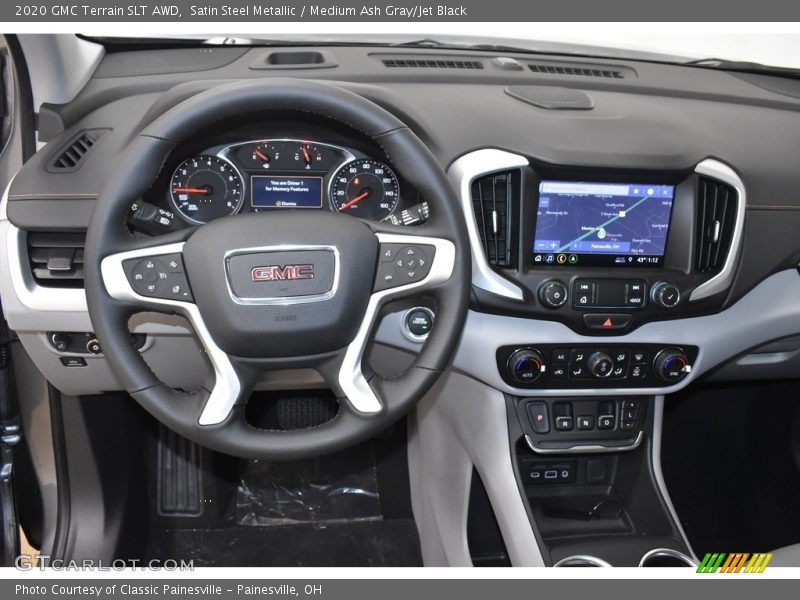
<point x="553" y="294"/>
<point x="418" y="323"/>
<point x="607" y="322"/>
<point x="671" y="365"/>
<point x="160" y="276"/>
<point x="665" y="295"/>
<point x="540" y="420"/>
<point x="525" y="365"/>
<point x="408" y="264"/>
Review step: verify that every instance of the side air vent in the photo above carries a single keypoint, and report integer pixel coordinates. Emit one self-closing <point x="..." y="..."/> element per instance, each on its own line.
<point x="71" y="157"/>
<point x="414" y="63"/>
<point x="580" y="70"/>
<point x="716" y="218"/>
<point x="56" y="259"/>
<point x="495" y="199"/>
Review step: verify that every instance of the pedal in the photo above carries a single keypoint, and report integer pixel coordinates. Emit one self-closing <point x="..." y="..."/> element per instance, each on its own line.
<point x="180" y="483"/>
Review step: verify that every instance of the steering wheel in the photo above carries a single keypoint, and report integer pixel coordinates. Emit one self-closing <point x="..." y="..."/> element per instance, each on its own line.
<point x="280" y="290"/>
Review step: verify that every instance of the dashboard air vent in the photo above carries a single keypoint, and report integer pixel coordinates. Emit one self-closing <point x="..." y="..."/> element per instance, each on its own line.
<point x="56" y="259"/>
<point x="716" y="219"/>
<point x="414" y="63"/>
<point x="577" y="70"/>
<point x="495" y="199"/>
<point x="71" y="157"/>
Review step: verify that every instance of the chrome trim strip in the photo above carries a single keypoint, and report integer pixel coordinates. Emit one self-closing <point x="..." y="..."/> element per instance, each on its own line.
<point x="655" y="459"/>
<point x="227" y="386"/>
<point x="351" y="377"/>
<point x="462" y="173"/>
<point x="721" y="281"/>
<point x="581" y="560"/>
<point x="686" y="560"/>
<point x="585" y="449"/>
<point x="282" y="300"/>
<point x="30" y="293"/>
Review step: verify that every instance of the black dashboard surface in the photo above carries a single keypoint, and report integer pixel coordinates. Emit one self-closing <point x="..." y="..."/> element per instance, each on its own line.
<point x="652" y="117"/>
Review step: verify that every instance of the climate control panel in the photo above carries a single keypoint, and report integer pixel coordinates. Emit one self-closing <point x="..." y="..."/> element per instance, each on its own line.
<point x="552" y="366"/>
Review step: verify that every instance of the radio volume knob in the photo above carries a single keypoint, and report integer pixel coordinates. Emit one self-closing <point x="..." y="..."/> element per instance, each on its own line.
<point x="553" y="294"/>
<point x="665" y="295"/>
<point x="525" y="365"/>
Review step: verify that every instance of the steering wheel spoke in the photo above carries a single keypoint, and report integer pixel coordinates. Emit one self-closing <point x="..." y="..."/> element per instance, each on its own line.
<point x="408" y="265"/>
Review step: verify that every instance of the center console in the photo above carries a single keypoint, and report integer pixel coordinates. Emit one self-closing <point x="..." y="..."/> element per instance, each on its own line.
<point x="605" y="253"/>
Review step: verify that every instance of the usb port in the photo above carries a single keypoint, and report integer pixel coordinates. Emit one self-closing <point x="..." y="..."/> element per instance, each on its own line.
<point x="551" y="474"/>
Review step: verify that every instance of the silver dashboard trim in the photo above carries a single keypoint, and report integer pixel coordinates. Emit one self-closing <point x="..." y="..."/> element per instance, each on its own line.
<point x="581" y="560"/>
<point x="686" y="560"/>
<point x="227" y="386"/>
<point x="720" y="282"/>
<point x="462" y="173"/>
<point x="30" y="293"/>
<point x="585" y="448"/>
<point x="283" y="300"/>
<point x="351" y="377"/>
<point x="658" y="474"/>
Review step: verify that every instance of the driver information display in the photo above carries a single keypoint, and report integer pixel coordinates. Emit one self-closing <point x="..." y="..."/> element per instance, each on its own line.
<point x="285" y="192"/>
<point x="591" y="223"/>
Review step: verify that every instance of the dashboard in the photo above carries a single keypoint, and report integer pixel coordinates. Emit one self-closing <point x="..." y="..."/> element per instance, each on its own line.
<point x="629" y="237"/>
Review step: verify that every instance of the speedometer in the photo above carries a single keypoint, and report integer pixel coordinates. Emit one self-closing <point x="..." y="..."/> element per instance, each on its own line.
<point x="365" y="188"/>
<point x="204" y="188"/>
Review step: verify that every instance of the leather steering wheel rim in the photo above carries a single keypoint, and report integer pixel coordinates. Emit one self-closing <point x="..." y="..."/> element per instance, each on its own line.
<point x="108" y="235"/>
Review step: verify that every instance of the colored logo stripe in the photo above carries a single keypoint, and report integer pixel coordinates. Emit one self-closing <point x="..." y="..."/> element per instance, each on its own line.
<point x="734" y="563"/>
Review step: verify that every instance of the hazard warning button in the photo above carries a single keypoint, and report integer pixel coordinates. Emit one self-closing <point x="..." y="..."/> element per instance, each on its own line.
<point x="607" y="321"/>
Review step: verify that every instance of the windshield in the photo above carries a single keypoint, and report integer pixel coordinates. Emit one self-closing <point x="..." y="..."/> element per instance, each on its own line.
<point x="774" y="45"/>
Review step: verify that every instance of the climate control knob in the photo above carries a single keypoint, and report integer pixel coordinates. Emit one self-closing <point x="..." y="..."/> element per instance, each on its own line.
<point x="553" y="294"/>
<point x="665" y="294"/>
<point x="600" y="364"/>
<point x="671" y="365"/>
<point x="525" y="365"/>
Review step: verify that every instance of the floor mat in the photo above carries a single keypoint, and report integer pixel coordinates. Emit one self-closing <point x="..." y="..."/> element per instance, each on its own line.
<point x="731" y="458"/>
<point x="369" y="543"/>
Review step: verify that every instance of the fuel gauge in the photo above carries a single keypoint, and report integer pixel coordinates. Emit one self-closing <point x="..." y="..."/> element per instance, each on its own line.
<point x="261" y="156"/>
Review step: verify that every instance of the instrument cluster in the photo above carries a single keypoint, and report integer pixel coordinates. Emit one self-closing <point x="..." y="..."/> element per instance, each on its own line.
<point x="287" y="174"/>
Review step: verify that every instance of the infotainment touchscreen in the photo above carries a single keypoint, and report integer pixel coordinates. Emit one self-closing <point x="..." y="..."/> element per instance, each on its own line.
<point x="602" y="223"/>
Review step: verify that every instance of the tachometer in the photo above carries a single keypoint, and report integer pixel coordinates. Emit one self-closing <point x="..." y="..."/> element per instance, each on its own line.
<point x="365" y="188"/>
<point x="204" y="188"/>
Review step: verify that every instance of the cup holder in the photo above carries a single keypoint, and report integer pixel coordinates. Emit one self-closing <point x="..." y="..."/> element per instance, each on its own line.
<point x="665" y="557"/>
<point x="581" y="560"/>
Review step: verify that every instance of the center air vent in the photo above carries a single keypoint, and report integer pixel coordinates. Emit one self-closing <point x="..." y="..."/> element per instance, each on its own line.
<point x="423" y="63"/>
<point x="56" y="259"/>
<point x="71" y="157"/>
<point x="495" y="199"/>
<point x="716" y="219"/>
<point x="581" y="70"/>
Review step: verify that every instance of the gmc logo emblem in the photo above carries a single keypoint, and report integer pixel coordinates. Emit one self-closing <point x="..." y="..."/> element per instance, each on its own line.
<point x="278" y="273"/>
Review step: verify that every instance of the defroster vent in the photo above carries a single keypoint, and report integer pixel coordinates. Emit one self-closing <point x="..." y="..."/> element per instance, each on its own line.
<point x="495" y="199"/>
<point x="56" y="259"/>
<point x="717" y="204"/>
